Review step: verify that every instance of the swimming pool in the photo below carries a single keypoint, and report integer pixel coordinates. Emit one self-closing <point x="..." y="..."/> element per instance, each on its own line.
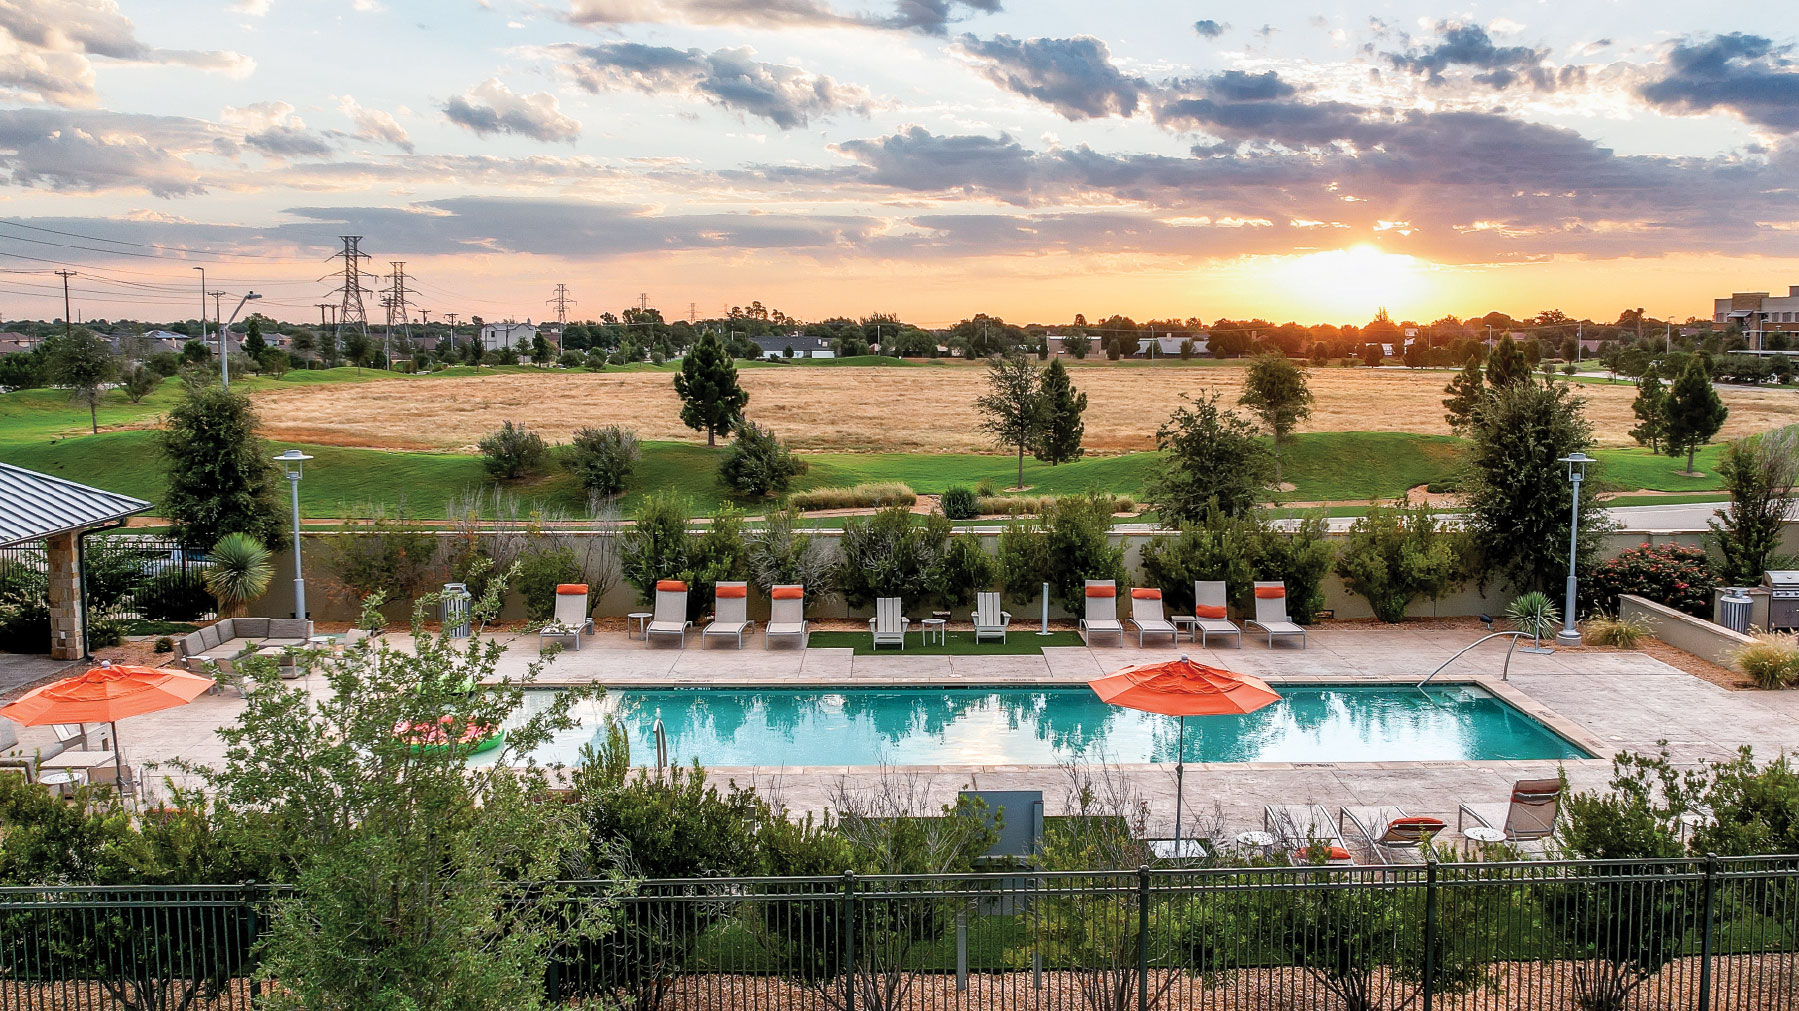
<point x="1044" y="726"/>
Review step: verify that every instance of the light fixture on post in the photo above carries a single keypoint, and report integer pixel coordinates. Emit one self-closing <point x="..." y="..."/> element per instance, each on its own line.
<point x="1577" y="470"/>
<point x="225" y="340"/>
<point x="292" y="461"/>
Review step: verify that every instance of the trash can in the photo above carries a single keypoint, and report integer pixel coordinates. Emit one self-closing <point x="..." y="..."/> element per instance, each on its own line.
<point x="1733" y="609"/>
<point x="455" y="610"/>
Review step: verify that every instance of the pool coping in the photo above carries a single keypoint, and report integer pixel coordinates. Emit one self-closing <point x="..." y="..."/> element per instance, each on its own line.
<point x="1506" y="692"/>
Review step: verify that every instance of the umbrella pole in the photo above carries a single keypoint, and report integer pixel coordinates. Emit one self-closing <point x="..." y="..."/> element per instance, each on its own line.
<point x="118" y="761"/>
<point x="1180" y="783"/>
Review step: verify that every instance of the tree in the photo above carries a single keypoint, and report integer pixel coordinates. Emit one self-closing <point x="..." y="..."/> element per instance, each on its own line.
<point x="1650" y="407"/>
<point x="1210" y="455"/>
<point x="221" y="478"/>
<point x="1059" y="439"/>
<point x="254" y="346"/>
<point x="1465" y="395"/>
<point x="1760" y="474"/>
<point x="759" y="464"/>
<point x="1372" y="355"/>
<point x="1277" y="391"/>
<point x="512" y="451"/>
<point x="1012" y="409"/>
<point x="1693" y="410"/>
<point x="541" y="352"/>
<point x="711" y="400"/>
<point x="1393" y="555"/>
<point x="82" y="364"/>
<point x="140" y="382"/>
<point x="1507" y="365"/>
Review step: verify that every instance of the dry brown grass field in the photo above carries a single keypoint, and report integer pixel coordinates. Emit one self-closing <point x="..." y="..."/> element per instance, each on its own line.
<point x="873" y="409"/>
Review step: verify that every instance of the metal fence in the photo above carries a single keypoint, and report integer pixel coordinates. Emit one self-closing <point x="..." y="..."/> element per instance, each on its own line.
<point x="1586" y="936"/>
<point x="123" y="572"/>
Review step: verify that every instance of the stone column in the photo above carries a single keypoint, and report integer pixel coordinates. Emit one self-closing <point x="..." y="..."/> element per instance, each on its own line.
<point x="66" y="631"/>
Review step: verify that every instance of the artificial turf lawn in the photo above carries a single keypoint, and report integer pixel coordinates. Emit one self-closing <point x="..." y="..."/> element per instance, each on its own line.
<point x="1021" y="641"/>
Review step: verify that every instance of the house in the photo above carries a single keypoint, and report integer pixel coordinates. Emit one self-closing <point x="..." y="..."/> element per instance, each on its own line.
<point x="1757" y="314"/>
<point x="12" y="342"/>
<point x="1059" y="344"/>
<point x="1168" y="345"/>
<point x="505" y="336"/>
<point x="803" y="347"/>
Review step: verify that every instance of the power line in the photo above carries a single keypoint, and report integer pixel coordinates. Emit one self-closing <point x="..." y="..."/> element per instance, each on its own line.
<point x="143" y="245"/>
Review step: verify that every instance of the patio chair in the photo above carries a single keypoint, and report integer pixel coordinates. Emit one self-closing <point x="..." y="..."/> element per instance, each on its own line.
<point x="1301" y="826"/>
<point x="730" y="612"/>
<point x="1386" y="834"/>
<point x="1211" y="614"/>
<point x="1102" y="611"/>
<point x="786" y="614"/>
<point x="1271" y="613"/>
<point x="1147" y="617"/>
<point x="571" y="617"/>
<point x="670" y="617"/>
<point x="988" y="619"/>
<point x="1528" y="818"/>
<point x="889" y="626"/>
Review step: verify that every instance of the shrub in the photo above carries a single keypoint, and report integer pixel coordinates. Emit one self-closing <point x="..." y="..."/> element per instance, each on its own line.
<point x="512" y="451"/>
<point x="758" y="464"/>
<point x="104" y="632"/>
<point x="1301" y="558"/>
<point x="1672" y="575"/>
<point x="862" y="496"/>
<point x="1624" y="633"/>
<point x="1218" y="547"/>
<point x="379" y="551"/>
<point x="1533" y="614"/>
<point x="985" y="488"/>
<point x="1395" y="554"/>
<point x="1070" y="545"/>
<point x="887" y="555"/>
<point x="958" y="503"/>
<point x="164" y="644"/>
<point x="1772" y="661"/>
<point x="1035" y="505"/>
<point x="1209" y="454"/>
<point x="602" y="458"/>
<point x="963" y="570"/>
<point x="659" y="545"/>
<point x="239" y="573"/>
<point x="24" y="612"/>
<point x="173" y="595"/>
<point x="781" y="555"/>
<point x="536" y="575"/>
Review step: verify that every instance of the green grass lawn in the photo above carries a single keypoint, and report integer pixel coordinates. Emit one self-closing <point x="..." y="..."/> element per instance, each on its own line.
<point x="1022" y="641"/>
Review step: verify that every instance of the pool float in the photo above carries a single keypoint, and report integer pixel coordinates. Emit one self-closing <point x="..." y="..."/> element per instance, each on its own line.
<point x="432" y="737"/>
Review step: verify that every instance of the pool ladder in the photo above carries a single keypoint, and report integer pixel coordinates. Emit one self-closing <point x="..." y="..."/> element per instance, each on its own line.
<point x="661" y="737"/>
<point x="1505" y="672"/>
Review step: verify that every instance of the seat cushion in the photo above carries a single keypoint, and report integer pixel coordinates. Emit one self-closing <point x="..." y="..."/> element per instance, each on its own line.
<point x="289" y="628"/>
<point x="213" y="634"/>
<point x="249" y="628"/>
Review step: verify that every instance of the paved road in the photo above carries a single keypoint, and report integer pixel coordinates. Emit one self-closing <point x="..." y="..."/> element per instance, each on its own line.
<point x="1667" y="517"/>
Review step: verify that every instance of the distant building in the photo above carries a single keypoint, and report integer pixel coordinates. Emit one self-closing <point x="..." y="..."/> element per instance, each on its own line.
<point x="803" y="347"/>
<point x="1758" y="314"/>
<point x="13" y="343"/>
<point x="505" y="336"/>
<point x="1061" y="344"/>
<point x="1168" y="345"/>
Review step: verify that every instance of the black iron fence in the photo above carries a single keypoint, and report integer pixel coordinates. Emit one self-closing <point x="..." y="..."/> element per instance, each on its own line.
<point x="1587" y="936"/>
<point x="128" y="576"/>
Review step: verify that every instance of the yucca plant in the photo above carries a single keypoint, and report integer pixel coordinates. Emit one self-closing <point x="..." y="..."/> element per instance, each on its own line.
<point x="240" y="572"/>
<point x="1533" y="614"/>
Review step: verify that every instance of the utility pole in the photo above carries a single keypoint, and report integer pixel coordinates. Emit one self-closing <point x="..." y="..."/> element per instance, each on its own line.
<point x="218" y="317"/>
<point x="65" y="275"/>
<point x="1580" y="332"/>
<point x="202" y="271"/>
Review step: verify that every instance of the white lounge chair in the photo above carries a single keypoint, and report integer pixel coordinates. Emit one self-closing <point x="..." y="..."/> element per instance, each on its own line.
<point x="1271" y="613"/>
<point x="730" y="612"/>
<point x="670" y="617"/>
<point x="989" y="620"/>
<point x="1147" y="617"/>
<point x="1102" y="611"/>
<point x="889" y="626"/>
<point x="786" y="614"/>
<point x="1386" y="834"/>
<point x="1299" y="826"/>
<point x="1528" y="818"/>
<point x="1211" y="611"/>
<point x="571" y="617"/>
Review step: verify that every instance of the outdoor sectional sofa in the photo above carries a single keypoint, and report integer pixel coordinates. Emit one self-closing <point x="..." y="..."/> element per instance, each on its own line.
<point x="228" y="639"/>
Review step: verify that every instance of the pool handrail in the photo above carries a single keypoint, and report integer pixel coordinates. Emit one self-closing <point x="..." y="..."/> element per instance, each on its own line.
<point x="661" y="737"/>
<point x="1505" y="672"/>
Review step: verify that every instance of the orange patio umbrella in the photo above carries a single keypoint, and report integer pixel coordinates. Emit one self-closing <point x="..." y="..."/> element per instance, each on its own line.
<point x="107" y="694"/>
<point x="1183" y="688"/>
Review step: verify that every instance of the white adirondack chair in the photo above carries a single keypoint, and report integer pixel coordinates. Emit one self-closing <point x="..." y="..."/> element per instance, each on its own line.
<point x="786" y="614"/>
<point x="670" y="617"/>
<point x="889" y="626"/>
<point x="989" y="620"/>
<point x="1102" y="611"/>
<point x="730" y="612"/>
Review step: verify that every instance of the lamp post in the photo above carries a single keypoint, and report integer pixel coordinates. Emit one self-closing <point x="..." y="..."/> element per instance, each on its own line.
<point x="292" y="461"/>
<point x="224" y="341"/>
<point x="1577" y="469"/>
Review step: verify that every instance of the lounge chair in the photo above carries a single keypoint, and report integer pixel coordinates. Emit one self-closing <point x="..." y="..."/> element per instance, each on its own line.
<point x="1528" y="818"/>
<point x="1211" y="615"/>
<point x="989" y="620"/>
<point x="1298" y="827"/>
<point x="1102" y="611"/>
<point x="730" y="612"/>
<point x="571" y="617"/>
<point x="786" y="614"/>
<point x="1147" y="617"/>
<point x="1271" y="613"/>
<point x="1386" y="834"/>
<point x="889" y="626"/>
<point x="670" y="617"/>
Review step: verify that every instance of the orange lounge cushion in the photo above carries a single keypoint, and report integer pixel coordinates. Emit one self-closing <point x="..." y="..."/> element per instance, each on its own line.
<point x="1271" y="592"/>
<point x="671" y="585"/>
<point x="733" y="591"/>
<point x="571" y="589"/>
<point x="1421" y="825"/>
<point x="1146" y="593"/>
<point x="787" y="593"/>
<point x="1333" y="853"/>
<point x="1209" y="611"/>
<point x="1102" y="591"/>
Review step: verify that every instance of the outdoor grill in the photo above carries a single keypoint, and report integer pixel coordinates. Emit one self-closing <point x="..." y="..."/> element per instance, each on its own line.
<point x="1783" y="597"/>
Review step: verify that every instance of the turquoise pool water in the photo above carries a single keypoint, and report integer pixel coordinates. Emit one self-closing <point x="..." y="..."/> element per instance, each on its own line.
<point x="1043" y="726"/>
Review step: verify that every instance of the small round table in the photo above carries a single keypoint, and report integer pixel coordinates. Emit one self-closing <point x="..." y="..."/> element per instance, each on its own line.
<point x="641" y="621"/>
<point x="936" y="627"/>
<point x="63" y="781"/>
<point x="1263" y="841"/>
<point x="1483" y="836"/>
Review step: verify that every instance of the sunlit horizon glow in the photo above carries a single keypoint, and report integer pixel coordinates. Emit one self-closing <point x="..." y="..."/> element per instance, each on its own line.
<point x="845" y="157"/>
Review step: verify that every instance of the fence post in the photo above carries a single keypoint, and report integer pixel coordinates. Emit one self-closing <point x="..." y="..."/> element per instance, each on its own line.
<point x="848" y="912"/>
<point x="1705" y="935"/>
<point x="1430" y="930"/>
<point x="1143" y="938"/>
<point x="255" y="932"/>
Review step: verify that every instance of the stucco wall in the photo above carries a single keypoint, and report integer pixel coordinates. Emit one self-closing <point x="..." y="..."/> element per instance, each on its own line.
<point x="1683" y="631"/>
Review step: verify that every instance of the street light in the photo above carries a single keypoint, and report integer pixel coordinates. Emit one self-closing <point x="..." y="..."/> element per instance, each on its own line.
<point x="292" y="461"/>
<point x="224" y="346"/>
<point x="1577" y="469"/>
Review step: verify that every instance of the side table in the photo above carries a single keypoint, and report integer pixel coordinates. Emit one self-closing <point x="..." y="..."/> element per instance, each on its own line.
<point x="640" y="620"/>
<point x="934" y="626"/>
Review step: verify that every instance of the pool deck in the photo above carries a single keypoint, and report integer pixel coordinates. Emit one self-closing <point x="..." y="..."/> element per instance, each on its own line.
<point x="1603" y="701"/>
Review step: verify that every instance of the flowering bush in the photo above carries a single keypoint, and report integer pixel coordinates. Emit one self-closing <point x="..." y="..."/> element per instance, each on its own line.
<point x="1675" y="575"/>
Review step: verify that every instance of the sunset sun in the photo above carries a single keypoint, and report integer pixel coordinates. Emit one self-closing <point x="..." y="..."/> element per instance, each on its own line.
<point x="1349" y="283"/>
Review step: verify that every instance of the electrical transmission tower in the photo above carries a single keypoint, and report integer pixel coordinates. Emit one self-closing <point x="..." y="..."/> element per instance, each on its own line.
<point x="397" y="309"/>
<point x="693" y="312"/>
<point x="561" y="302"/>
<point x="643" y="301"/>
<point x="350" y="289"/>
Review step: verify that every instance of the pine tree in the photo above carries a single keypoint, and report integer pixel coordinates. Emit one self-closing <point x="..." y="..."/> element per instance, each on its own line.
<point x="1649" y="407"/>
<point x="1507" y="366"/>
<point x="220" y="476"/>
<point x="254" y="346"/>
<point x="711" y="400"/>
<point x="1465" y="395"/>
<point x="1062" y="406"/>
<point x="1693" y="411"/>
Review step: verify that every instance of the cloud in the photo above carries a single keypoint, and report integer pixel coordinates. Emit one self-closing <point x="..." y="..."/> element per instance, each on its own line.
<point x="490" y="107"/>
<point x="374" y="124"/>
<point x="100" y="152"/>
<point x="47" y="46"/>
<point x="1073" y="76"/>
<point x="733" y="79"/>
<point x="273" y="129"/>
<point x="932" y="17"/>
<point x="1208" y="29"/>
<point x="253" y="8"/>
<point x="1745" y="74"/>
<point x="1471" y="46"/>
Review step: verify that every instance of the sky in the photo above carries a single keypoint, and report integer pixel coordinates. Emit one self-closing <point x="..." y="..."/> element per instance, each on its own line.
<point x="931" y="158"/>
